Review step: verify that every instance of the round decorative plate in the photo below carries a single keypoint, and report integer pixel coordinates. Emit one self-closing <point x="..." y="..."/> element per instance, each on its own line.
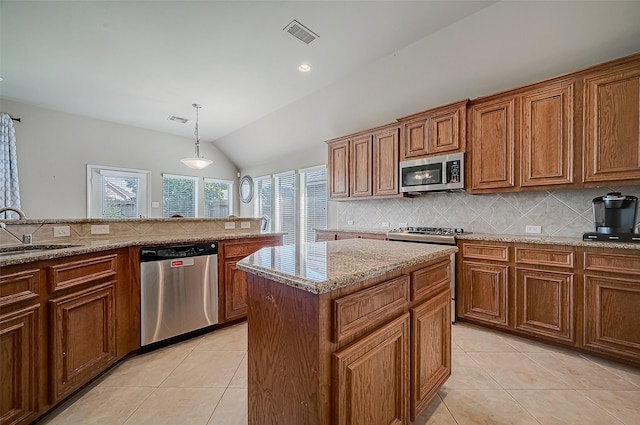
<point x="246" y="189"/>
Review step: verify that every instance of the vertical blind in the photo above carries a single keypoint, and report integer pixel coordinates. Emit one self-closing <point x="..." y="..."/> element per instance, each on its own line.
<point x="179" y="195"/>
<point x="263" y="197"/>
<point x="218" y="198"/>
<point x="313" y="215"/>
<point x="285" y="205"/>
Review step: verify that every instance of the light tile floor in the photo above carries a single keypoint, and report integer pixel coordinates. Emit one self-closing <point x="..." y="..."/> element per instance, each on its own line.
<point x="497" y="379"/>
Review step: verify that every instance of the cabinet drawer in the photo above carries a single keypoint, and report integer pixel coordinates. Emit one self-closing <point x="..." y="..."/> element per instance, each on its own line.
<point x="76" y="273"/>
<point x="485" y="252"/>
<point x="247" y="248"/>
<point x="430" y="280"/>
<point x="18" y="287"/>
<point x="612" y="263"/>
<point x="544" y="257"/>
<point x="364" y="310"/>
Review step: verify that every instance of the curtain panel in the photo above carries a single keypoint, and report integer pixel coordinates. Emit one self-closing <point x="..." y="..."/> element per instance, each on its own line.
<point x="9" y="190"/>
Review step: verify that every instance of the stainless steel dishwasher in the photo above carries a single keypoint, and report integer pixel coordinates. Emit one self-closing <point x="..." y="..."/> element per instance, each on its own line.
<point x="178" y="290"/>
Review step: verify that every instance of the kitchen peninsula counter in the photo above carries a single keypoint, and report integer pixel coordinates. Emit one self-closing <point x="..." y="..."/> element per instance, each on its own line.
<point x="332" y="325"/>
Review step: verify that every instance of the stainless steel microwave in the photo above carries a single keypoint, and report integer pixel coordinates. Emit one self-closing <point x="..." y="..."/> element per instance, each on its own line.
<point x="445" y="172"/>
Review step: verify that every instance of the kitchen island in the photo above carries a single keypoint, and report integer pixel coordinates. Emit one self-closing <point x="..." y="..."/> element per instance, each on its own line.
<point x="353" y="331"/>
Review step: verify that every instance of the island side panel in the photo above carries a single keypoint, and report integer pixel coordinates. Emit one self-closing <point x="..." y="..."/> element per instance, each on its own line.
<point x="285" y="383"/>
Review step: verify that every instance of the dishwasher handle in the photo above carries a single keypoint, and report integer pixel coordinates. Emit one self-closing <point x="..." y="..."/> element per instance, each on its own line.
<point x="158" y="253"/>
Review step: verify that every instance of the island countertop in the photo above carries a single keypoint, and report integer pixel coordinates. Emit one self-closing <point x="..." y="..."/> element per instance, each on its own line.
<point x="322" y="267"/>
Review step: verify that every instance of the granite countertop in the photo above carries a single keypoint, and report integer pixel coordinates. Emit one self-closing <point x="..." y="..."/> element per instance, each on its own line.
<point x="103" y="244"/>
<point x="321" y="267"/>
<point x="545" y="240"/>
<point x="355" y="230"/>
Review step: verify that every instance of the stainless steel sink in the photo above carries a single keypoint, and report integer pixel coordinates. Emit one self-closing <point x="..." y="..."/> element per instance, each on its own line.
<point x="28" y="249"/>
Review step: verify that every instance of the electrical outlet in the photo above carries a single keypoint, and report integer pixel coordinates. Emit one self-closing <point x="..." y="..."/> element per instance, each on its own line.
<point x="99" y="229"/>
<point x="245" y="225"/>
<point x="60" y="231"/>
<point x="385" y="224"/>
<point x="533" y="229"/>
<point x="350" y="222"/>
<point x="229" y="225"/>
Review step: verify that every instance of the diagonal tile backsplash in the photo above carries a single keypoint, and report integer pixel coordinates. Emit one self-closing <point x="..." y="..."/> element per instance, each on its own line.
<point x="558" y="212"/>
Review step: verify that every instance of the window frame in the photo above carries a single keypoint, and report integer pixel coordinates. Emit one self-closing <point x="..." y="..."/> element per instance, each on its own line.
<point x="302" y="197"/>
<point x="230" y="191"/>
<point x="196" y="190"/>
<point x="144" y="192"/>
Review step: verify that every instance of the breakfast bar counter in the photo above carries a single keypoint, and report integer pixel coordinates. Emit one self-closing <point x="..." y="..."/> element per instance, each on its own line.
<point x="349" y="331"/>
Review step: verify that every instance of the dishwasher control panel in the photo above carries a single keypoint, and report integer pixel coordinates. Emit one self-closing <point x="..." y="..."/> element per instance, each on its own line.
<point x="155" y="253"/>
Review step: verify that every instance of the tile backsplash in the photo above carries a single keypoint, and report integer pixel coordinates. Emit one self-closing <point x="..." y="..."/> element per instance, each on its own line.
<point x="559" y="213"/>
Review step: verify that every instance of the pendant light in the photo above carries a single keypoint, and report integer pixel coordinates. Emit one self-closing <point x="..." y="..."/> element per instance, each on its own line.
<point x="196" y="162"/>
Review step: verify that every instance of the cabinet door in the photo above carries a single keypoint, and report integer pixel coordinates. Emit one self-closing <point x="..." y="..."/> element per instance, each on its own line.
<point x="446" y="130"/>
<point x="546" y="157"/>
<point x="370" y="377"/>
<point x="385" y="162"/>
<point x="612" y="126"/>
<point x="414" y="143"/>
<point x="611" y="307"/>
<point x="485" y="292"/>
<point x="430" y="349"/>
<point x="19" y="365"/>
<point x="83" y="337"/>
<point x="322" y="236"/>
<point x="545" y="303"/>
<point x="339" y="169"/>
<point x="493" y="141"/>
<point x="235" y="290"/>
<point x="360" y="161"/>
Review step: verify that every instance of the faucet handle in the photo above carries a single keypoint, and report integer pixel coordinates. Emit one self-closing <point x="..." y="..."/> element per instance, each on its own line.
<point x="27" y="239"/>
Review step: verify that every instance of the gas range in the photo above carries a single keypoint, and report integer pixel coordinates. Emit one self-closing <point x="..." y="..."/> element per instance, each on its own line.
<point x="435" y="235"/>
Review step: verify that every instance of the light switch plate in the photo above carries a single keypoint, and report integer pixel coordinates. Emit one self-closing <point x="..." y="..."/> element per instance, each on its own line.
<point x="245" y="225"/>
<point x="385" y="224"/>
<point x="229" y="225"/>
<point x="533" y="229"/>
<point x="99" y="229"/>
<point x="350" y="222"/>
<point x="60" y="231"/>
<point x="155" y="205"/>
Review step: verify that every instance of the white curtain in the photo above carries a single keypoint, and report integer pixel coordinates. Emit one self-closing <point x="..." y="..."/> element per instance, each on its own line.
<point x="9" y="191"/>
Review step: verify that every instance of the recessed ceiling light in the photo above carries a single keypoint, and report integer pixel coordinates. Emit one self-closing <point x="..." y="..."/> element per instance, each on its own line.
<point x="305" y="67"/>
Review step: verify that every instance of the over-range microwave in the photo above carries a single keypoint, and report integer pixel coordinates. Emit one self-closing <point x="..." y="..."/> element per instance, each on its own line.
<point x="437" y="173"/>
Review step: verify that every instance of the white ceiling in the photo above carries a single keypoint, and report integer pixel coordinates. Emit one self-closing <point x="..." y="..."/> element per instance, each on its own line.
<point x="138" y="62"/>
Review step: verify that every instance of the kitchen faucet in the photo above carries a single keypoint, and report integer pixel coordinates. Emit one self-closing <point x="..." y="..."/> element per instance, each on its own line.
<point x="15" y="210"/>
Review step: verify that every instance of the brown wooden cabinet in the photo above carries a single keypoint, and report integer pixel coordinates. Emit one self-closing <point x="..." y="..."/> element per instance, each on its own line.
<point x="364" y="164"/>
<point x="545" y="292"/>
<point x="333" y="235"/>
<point x="436" y="131"/>
<point x="612" y="303"/>
<point x="483" y="288"/>
<point x="83" y="326"/>
<point x="232" y="287"/>
<point x="371" y="377"/>
<point x="612" y="124"/>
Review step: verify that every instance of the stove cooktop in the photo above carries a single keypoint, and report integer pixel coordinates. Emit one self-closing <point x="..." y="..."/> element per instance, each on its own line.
<point x="611" y="237"/>
<point x="442" y="235"/>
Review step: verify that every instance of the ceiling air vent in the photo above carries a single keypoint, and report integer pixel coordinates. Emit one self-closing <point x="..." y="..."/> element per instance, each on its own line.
<point x="300" y="32"/>
<point x="178" y="119"/>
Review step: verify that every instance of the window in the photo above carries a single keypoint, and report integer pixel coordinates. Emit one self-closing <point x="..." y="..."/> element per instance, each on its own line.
<point x="285" y="205"/>
<point x="218" y="198"/>
<point x="179" y="196"/>
<point x="313" y="198"/>
<point x="263" y="198"/>
<point x="117" y="192"/>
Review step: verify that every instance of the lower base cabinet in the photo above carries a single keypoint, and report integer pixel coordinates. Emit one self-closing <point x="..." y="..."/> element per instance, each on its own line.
<point x="430" y="350"/>
<point x="485" y="293"/>
<point x="18" y="365"/>
<point x="83" y="326"/>
<point x="371" y="377"/>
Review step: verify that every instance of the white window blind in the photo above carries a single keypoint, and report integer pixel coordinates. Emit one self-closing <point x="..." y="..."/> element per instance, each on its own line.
<point x="116" y="193"/>
<point x="262" y="196"/>
<point x="313" y="214"/>
<point x="218" y="198"/>
<point x="285" y="205"/>
<point x="179" y="196"/>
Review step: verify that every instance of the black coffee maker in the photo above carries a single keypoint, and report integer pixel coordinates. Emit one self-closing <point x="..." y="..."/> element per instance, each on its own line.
<point x="614" y="213"/>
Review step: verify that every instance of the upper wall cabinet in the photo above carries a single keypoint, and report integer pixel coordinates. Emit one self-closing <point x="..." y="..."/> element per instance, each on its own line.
<point x="432" y="132"/>
<point x="522" y="139"/>
<point x="612" y="124"/>
<point x="364" y="164"/>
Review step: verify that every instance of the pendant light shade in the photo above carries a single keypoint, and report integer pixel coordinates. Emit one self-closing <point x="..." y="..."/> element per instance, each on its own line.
<point x="196" y="162"/>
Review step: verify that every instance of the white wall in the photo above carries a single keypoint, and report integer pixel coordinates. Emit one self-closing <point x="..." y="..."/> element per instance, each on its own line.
<point x="54" y="149"/>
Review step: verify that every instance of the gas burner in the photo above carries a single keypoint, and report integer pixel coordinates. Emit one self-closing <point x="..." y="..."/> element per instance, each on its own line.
<point x="438" y="235"/>
<point x="434" y="230"/>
